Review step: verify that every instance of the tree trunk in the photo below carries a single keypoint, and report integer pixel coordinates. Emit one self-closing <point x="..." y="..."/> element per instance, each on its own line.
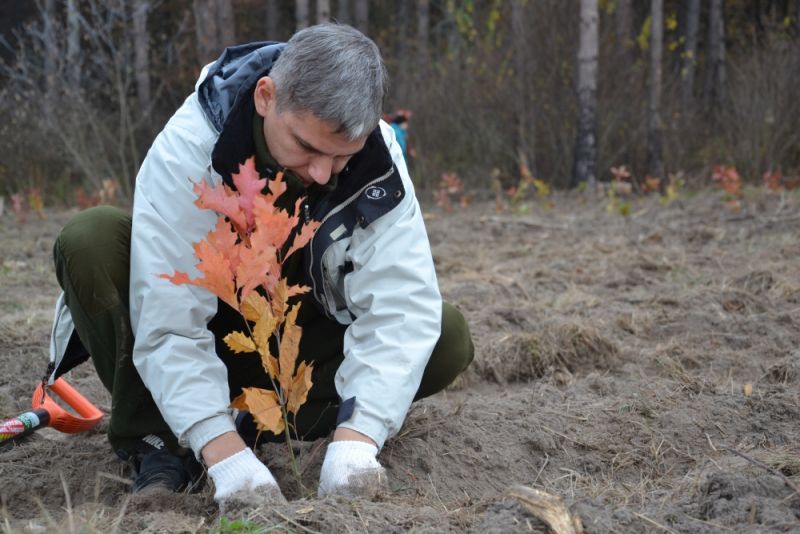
<point x="323" y="11"/>
<point x="655" y="164"/>
<point x="73" y="43"/>
<point x="227" y="24"/>
<point x="141" y="50"/>
<point x="423" y="22"/>
<point x="50" y="47"/>
<point x="401" y="51"/>
<point x="717" y="77"/>
<point x="362" y="16"/>
<point x="690" y="51"/>
<point x="301" y="14"/>
<point x="343" y="11"/>
<point x="585" y="159"/>
<point x="273" y="20"/>
<point x="525" y="126"/>
<point x="205" y="22"/>
<point x="623" y="23"/>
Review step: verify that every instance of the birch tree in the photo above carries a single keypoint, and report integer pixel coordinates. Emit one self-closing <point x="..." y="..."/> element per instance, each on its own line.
<point x="584" y="162"/>
<point x="655" y="164"/>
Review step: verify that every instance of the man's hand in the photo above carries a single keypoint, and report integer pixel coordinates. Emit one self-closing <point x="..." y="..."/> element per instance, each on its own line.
<point x="240" y="479"/>
<point x="351" y="469"/>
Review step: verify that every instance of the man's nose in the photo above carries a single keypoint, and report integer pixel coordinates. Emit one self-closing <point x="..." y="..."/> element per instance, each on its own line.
<point x="320" y="169"/>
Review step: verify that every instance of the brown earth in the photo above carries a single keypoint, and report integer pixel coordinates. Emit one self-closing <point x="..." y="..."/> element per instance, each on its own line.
<point x="646" y="370"/>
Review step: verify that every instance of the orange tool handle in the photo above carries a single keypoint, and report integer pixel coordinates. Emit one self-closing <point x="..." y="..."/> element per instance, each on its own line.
<point x="60" y="419"/>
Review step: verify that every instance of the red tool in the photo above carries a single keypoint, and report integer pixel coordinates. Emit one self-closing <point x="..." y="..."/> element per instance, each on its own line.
<point x="47" y="412"/>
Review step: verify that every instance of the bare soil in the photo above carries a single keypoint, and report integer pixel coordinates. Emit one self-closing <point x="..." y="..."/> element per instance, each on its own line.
<point x="644" y="369"/>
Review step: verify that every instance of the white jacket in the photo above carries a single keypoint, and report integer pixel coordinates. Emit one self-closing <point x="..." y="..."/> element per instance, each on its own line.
<point x="388" y="294"/>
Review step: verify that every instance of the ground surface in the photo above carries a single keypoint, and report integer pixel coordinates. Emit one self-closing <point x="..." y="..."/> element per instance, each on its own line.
<point x="622" y="364"/>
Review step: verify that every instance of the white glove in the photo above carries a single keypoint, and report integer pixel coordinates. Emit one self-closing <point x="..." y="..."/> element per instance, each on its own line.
<point x="351" y="469"/>
<point x="241" y="474"/>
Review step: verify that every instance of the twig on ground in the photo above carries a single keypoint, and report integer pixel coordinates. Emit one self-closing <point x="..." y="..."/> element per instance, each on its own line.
<point x="712" y="523"/>
<point x="544" y="464"/>
<point x="293" y="522"/>
<point x="762" y="465"/>
<point x="525" y="222"/>
<point x="573" y="440"/>
<point x="654" y="523"/>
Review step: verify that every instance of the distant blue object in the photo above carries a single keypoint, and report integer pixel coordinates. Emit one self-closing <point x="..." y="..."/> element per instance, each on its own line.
<point x="400" y="134"/>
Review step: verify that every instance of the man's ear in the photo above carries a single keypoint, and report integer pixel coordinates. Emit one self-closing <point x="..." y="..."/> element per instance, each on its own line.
<point x="263" y="95"/>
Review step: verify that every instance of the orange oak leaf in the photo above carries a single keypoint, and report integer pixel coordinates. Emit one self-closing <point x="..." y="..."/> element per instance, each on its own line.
<point x="239" y="342"/>
<point x="273" y="226"/>
<point x="264" y="406"/>
<point x="224" y="239"/>
<point x="223" y="200"/>
<point x="301" y="385"/>
<point x="303" y="236"/>
<point x="249" y="186"/>
<point x="277" y="187"/>
<point x="257" y="267"/>
<point x="289" y="348"/>
<point x="218" y="275"/>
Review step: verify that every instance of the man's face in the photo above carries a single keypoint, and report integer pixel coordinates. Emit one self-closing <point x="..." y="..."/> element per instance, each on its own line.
<point x="300" y="142"/>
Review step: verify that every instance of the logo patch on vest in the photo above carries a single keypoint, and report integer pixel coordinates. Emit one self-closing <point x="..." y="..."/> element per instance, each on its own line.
<point x="375" y="193"/>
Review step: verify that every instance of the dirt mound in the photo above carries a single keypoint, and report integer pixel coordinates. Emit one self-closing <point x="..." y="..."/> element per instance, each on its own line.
<point x="559" y="351"/>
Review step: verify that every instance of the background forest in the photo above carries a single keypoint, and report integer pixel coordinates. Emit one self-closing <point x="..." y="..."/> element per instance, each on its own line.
<point x="564" y="89"/>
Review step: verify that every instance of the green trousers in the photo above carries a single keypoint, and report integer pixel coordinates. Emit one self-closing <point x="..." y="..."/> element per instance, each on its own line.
<point x="92" y="260"/>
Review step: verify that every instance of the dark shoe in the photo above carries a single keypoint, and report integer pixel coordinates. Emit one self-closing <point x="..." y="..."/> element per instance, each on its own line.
<point x="156" y="467"/>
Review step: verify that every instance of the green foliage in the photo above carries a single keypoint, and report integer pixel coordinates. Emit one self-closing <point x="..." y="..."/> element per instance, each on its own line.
<point x="643" y="39"/>
<point x="244" y="526"/>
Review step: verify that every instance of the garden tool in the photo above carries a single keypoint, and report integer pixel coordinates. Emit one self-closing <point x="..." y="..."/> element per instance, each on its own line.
<point x="47" y="412"/>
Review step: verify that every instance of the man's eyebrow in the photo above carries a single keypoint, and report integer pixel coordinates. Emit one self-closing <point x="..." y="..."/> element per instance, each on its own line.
<point x="311" y="148"/>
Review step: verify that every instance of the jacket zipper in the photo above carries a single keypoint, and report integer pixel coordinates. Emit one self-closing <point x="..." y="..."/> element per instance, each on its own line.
<point x="336" y="210"/>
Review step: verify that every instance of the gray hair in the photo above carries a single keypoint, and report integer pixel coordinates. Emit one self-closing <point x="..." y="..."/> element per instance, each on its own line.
<point x="334" y="72"/>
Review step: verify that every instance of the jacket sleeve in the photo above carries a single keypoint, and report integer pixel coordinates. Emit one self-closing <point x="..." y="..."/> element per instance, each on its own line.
<point x="173" y="349"/>
<point x="395" y="297"/>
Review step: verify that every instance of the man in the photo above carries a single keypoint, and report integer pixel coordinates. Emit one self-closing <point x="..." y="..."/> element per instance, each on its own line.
<point x="373" y="324"/>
